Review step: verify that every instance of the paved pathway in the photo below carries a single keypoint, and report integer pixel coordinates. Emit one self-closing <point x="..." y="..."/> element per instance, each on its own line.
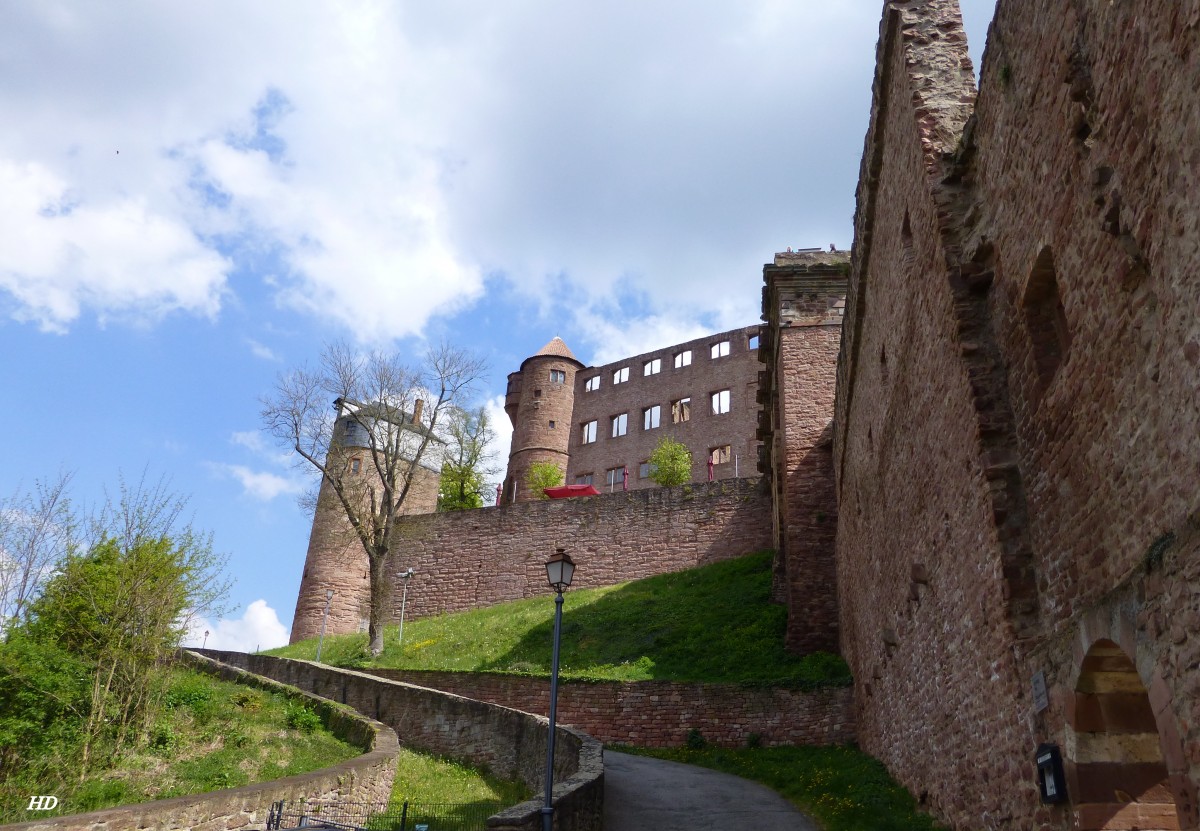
<point x="642" y="794"/>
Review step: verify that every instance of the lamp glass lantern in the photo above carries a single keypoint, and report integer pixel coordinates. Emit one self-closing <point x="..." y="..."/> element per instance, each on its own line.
<point x="560" y="569"/>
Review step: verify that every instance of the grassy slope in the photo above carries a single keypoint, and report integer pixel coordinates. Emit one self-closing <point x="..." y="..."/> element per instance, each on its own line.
<point x="713" y="624"/>
<point x="210" y="734"/>
<point x="842" y="788"/>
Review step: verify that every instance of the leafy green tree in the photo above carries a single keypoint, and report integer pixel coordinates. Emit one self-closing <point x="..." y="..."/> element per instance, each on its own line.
<point x="80" y="669"/>
<point x="543" y="475"/>
<point x="465" y="469"/>
<point x="670" y="463"/>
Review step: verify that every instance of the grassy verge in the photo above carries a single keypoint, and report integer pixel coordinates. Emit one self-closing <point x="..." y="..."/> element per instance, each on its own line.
<point x="422" y="778"/>
<point x="842" y="788"/>
<point x="711" y="624"/>
<point x="209" y="734"/>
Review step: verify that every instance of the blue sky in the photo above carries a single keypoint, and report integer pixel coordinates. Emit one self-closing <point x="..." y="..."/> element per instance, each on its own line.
<point x="194" y="197"/>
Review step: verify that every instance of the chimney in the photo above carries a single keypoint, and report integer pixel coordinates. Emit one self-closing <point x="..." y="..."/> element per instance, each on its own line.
<point x="417" y="410"/>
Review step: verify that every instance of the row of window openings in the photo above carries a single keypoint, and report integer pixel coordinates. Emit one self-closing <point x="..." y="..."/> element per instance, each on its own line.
<point x="654" y="365"/>
<point x="681" y="411"/>
<point x="616" y="475"/>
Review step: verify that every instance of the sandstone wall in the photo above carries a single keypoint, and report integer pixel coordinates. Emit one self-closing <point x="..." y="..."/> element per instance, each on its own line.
<point x="511" y="744"/>
<point x="661" y="713"/>
<point x="467" y="559"/>
<point x="1016" y="441"/>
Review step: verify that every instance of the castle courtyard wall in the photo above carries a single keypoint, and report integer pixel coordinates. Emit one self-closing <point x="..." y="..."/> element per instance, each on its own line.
<point x="467" y="559"/>
<point x="1017" y="432"/>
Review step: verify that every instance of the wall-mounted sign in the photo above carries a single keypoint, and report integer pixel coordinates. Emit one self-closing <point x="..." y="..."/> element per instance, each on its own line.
<point x="1041" y="696"/>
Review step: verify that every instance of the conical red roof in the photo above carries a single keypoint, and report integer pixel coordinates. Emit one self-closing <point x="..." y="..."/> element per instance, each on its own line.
<point x="557" y="348"/>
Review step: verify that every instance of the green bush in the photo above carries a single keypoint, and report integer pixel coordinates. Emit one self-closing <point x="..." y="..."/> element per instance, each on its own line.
<point x="670" y="463"/>
<point x="543" y="475"/>
<point x="299" y="717"/>
<point x="696" y="741"/>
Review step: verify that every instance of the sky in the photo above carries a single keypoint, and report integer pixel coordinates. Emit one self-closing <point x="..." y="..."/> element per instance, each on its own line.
<point x="197" y="197"/>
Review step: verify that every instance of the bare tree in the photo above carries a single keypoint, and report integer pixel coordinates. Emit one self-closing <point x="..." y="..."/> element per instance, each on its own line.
<point x="37" y="529"/>
<point x="370" y="447"/>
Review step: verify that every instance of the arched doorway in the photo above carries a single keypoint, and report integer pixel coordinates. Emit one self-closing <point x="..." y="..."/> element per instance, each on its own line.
<point x="1118" y="778"/>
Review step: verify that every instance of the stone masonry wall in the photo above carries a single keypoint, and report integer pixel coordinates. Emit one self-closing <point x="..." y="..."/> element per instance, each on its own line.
<point x="467" y="559"/>
<point x="920" y="578"/>
<point x="661" y="713"/>
<point x="1017" y="431"/>
<point x="807" y="357"/>
<point x="367" y="778"/>
<point x="511" y="744"/>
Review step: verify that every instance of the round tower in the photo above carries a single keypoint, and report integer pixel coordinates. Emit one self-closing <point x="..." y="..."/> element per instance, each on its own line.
<point x="336" y="560"/>
<point x="540" y="403"/>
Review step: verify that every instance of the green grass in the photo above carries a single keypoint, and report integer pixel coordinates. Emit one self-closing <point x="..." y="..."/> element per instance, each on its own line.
<point x="842" y="788"/>
<point x="422" y="778"/>
<point x="712" y="624"/>
<point x="210" y="734"/>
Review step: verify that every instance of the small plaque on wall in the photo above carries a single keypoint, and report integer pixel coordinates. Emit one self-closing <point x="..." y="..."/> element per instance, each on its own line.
<point x="1041" y="697"/>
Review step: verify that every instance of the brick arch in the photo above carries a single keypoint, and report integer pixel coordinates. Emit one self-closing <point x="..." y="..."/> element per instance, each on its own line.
<point x="1124" y="756"/>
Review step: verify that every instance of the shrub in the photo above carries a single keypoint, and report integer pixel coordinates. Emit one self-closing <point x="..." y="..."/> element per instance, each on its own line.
<point x="670" y="463"/>
<point x="299" y="717"/>
<point x="543" y="475"/>
<point x="695" y="741"/>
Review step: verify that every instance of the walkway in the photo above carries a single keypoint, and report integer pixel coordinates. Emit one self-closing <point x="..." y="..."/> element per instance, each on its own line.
<point x="642" y="793"/>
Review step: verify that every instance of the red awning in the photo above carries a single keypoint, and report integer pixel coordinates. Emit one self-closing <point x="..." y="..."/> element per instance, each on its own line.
<point x="567" y="491"/>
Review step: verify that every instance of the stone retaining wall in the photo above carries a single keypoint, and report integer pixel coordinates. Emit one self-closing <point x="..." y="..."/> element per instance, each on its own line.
<point x="509" y="743"/>
<point x="662" y="713"/>
<point x="367" y="778"/>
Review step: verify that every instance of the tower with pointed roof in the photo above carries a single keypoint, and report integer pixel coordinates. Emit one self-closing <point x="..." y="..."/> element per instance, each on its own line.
<point x="540" y="402"/>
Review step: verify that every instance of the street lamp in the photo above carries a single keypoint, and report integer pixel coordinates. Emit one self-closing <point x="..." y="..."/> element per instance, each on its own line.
<point x="559" y="571"/>
<point x="205" y="644"/>
<point x="324" y="619"/>
<point x="404" y="575"/>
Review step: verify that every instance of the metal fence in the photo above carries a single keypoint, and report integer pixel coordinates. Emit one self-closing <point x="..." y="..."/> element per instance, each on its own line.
<point x="399" y="816"/>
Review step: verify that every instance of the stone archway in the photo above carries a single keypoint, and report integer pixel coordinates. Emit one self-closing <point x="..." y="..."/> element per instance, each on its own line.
<point x="1117" y="774"/>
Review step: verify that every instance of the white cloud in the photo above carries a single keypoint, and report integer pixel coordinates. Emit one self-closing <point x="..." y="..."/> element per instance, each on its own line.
<point x="260" y="350"/>
<point x="497" y="452"/>
<point x="259" y="484"/>
<point x="115" y="255"/>
<point x="258" y="628"/>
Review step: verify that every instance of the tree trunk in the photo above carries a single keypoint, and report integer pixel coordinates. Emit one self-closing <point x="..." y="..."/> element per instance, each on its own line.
<point x="379" y="594"/>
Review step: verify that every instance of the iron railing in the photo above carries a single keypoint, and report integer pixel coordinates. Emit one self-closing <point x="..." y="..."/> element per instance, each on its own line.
<point x="397" y="816"/>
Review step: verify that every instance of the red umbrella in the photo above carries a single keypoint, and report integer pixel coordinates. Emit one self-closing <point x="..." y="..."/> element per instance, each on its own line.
<point x="710" y="466"/>
<point x="567" y="491"/>
<point x="625" y="477"/>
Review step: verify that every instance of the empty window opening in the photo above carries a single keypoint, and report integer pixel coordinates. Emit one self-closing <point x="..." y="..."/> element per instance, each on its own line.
<point x="588" y="433"/>
<point x="592" y="384"/>
<point x="552" y="425"/>
<point x="620" y="424"/>
<point x="614" y="477"/>
<point x="650" y="417"/>
<point x="720" y="402"/>
<point x="719" y="349"/>
<point x="620" y="376"/>
<point x="752" y="343"/>
<point x="683" y="359"/>
<point x="652" y="367"/>
<point x="1116" y="745"/>
<point x="537" y="393"/>
<point x="356" y="464"/>
<point x="558" y="376"/>
<point x="681" y="411"/>
<point x="719" y="455"/>
<point x="1045" y="318"/>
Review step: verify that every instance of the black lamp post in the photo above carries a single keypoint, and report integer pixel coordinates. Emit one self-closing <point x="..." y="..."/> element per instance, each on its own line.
<point x="559" y="571"/>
